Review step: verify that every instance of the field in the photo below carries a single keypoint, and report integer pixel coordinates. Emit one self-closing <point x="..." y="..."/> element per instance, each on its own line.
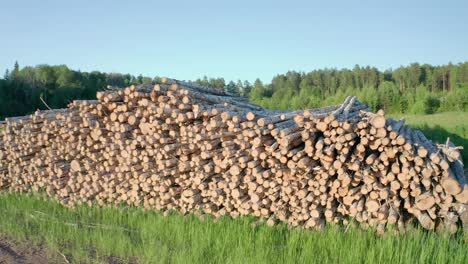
<point x="89" y="234"/>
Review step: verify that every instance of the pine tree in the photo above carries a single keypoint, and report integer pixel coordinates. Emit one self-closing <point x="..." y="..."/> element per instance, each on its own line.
<point x="247" y="88"/>
<point x="232" y="88"/>
<point x="15" y="72"/>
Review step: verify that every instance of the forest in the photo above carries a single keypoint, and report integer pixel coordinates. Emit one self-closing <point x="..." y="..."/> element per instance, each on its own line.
<point x="416" y="88"/>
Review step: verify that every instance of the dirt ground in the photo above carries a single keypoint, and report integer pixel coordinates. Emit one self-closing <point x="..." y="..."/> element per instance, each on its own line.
<point x="22" y="252"/>
<point x="12" y="251"/>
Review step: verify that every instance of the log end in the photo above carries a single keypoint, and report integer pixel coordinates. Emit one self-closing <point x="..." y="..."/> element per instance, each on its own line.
<point x="378" y="121"/>
<point x="451" y="186"/>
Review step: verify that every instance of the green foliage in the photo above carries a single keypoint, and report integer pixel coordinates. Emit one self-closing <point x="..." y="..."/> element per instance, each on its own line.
<point x="259" y="91"/>
<point x="403" y="105"/>
<point x="217" y="83"/>
<point x="370" y="96"/>
<point x="423" y="101"/>
<point x="21" y="89"/>
<point x="415" y="89"/>
<point x="431" y="104"/>
<point x="232" y="88"/>
<point x="247" y="88"/>
<point x="456" y="100"/>
<point x="417" y="108"/>
<point x="389" y="97"/>
<point x="91" y="234"/>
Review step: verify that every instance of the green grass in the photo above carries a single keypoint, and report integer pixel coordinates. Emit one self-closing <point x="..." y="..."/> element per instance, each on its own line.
<point x="89" y="234"/>
<point x="438" y="127"/>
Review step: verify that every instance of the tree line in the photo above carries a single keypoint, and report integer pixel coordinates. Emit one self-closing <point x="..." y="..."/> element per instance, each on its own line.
<point x="21" y="89"/>
<point x="410" y="89"/>
<point x="414" y="89"/>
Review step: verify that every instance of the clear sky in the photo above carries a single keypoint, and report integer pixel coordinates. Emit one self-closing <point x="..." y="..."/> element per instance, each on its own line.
<point x="231" y="39"/>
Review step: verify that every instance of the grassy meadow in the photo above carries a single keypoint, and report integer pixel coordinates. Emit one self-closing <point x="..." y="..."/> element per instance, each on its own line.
<point x="91" y="234"/>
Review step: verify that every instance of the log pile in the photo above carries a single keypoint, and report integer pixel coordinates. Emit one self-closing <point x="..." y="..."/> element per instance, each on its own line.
<point x="184" y="147"/>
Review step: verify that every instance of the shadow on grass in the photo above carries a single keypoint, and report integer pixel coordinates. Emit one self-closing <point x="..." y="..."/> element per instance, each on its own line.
<point x="439" y="135"/>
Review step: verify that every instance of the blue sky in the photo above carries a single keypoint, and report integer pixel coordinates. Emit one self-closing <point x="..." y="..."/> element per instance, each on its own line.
<point x="231" y="39"/>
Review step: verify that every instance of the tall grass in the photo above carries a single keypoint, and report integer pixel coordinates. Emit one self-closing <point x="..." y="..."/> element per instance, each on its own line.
<point x="90" y="234"/>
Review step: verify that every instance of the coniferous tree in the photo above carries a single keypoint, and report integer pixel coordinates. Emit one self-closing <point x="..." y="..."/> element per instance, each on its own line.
<point x="232" y="88"/>
<point x="247" y="88"/>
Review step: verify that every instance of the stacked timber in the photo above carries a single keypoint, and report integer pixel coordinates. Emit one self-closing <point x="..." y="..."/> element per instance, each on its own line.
<point x="190" y="148"/>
